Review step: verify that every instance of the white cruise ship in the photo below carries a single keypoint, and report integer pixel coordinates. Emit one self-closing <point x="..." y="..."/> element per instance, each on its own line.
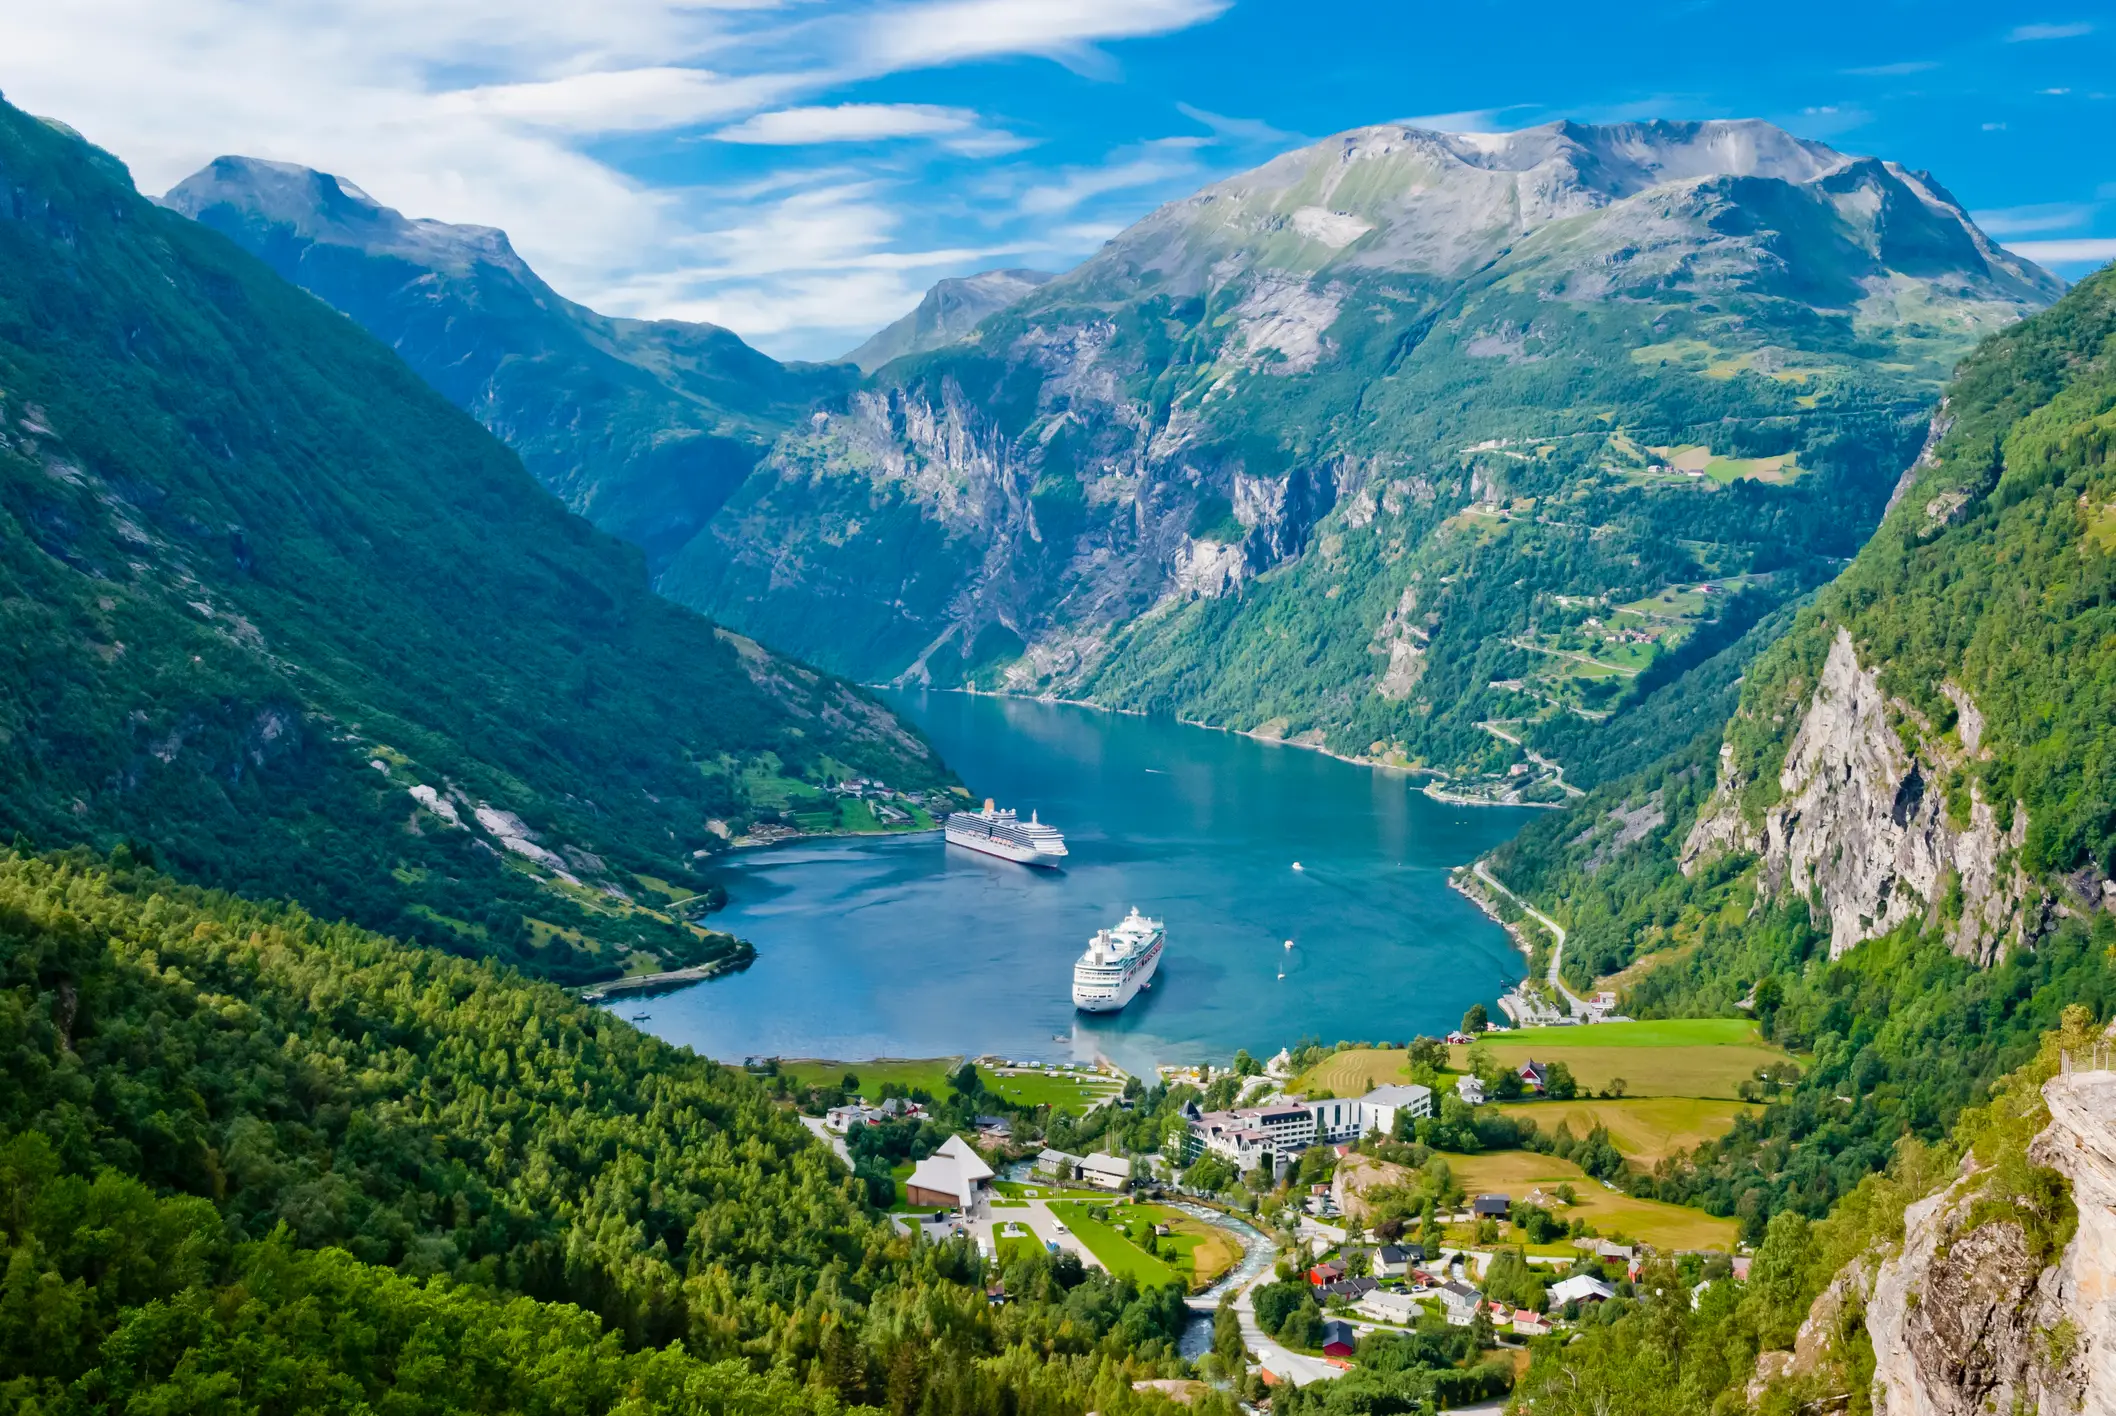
<point x="1006" y="835"/>
<point x="1118" y="963"/>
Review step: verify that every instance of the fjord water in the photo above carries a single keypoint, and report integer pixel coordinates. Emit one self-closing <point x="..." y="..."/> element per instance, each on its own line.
<point x="907" y="947"/>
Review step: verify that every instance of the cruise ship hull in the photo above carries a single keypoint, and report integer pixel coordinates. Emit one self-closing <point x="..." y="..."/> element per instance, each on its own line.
<point x="1100" y="997"/>
<point x="1015" y="851"/>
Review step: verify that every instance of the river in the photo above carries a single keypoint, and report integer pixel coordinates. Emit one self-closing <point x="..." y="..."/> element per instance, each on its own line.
<point x="906" y="947"/>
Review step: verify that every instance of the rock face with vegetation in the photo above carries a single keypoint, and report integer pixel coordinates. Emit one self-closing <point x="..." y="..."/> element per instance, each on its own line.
<point x="643" y="426"/>
<point x="279" y="615"/>
<point x="1396" y="436"/>
<point x="1927" y="743"/>
<point x="1988" y="1306"/>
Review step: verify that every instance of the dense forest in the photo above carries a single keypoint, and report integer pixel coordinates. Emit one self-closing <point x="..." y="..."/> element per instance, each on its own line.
<point x="274" y="610"/>
<point x="252" y="1161"/>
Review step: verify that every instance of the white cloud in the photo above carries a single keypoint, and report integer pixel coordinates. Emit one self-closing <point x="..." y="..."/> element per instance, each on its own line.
<point x="957" y="129"/>
<point x="1465" y="120"/>
<point x="949" y="31"/>
<point x="618" y="100"/>
<point x="1900" y="69"/>
<point x="2027" y="33"/>
<point x="1994" y="127"/>
<point x="2044" y="216"/>
<point x="2095" y="249"/>
<point x="1241" y="130"/>
<point x="1163" y="161"/>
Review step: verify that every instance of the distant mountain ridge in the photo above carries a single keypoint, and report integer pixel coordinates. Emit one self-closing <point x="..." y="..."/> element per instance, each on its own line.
<point x="642" y="426"/>
<point x="1350" y="447"/>
<point x="949" y="312"/>
<point x="280" y="617"/>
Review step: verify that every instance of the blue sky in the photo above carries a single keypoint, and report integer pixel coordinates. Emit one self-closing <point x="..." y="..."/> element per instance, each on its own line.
<point x="800" y="171"/>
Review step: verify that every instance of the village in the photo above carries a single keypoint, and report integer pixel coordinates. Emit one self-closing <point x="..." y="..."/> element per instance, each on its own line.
<point x="1320" y="1221"/>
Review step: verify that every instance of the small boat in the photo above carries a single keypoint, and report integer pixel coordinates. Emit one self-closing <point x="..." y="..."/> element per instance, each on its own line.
<point x="641" y="1017"/>
<point x="1296" y="865"/>
<point x="1282" y="973"/>
<point x="1289" y="943"/>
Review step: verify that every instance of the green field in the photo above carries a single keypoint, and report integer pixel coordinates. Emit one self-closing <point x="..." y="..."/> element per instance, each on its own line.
<point x="1116" y="1251"/>
<point x="1665" y="1226"/>
<point x="1646" y="1129"/>
<point x="1683" y="1057"/>
<point x="1657" y="1032"/>
<point x="1354" y="1072"/>
<point x="1068" y="1091"/>
<point x="926" y="1074"/>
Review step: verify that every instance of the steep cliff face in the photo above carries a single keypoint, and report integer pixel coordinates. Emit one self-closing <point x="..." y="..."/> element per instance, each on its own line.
<point x="1969" y="1318"/>
<point x="1863" y="819"/>
<point x="1924" y="745"/>
<point x="1546" y="376"/>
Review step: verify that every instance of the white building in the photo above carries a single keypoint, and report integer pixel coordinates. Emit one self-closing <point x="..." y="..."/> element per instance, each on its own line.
<point x="1379" y="1108"/>
<point x="1250" y="1134"/>
<point x="952" y="1175"/>
<point x="1580" y="1288"/>
<point x="1470" y="1089"/>
<point x="1386" y="1306"/>
<point x="1105" y="1171"/>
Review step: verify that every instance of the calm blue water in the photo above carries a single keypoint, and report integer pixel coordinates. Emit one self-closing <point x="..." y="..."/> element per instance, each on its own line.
<point x="912" y="948"/>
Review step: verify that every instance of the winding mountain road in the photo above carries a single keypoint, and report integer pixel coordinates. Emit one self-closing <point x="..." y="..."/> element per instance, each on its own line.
<point x="1557" y="932"/>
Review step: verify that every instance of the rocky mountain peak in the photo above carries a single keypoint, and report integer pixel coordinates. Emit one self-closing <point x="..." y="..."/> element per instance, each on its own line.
<point x="1408" y="200"/>
<point x="949" y="311"/>
<point x="313" y="206"/>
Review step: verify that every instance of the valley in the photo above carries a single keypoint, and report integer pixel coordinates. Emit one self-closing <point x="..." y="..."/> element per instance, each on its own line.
<point x="473" y="933"/>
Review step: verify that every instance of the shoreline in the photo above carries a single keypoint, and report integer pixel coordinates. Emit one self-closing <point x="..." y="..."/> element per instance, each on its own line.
<point x="667" y="978"/>
<point x="1432" y="774"/>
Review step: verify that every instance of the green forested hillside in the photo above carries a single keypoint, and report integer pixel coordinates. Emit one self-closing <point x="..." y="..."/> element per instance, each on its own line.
<point x="276" y="612"/>
<point x="253" y="1162"/>
<point x="1983" y="608"/>
<point x="642" y="426"/>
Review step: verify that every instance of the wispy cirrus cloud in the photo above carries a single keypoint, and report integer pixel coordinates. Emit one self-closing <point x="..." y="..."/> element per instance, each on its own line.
<point x="2043" y="216"/>
<point x="2028" y="34"/>
<point x="1902" y="68"/>
<point x="958" y="129"/>
<point x="2093" y="250"/>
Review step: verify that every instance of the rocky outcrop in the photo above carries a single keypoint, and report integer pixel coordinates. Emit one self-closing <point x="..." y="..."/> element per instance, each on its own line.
<point x="1967" y="1320"/>
<point x="1863" y="819"/>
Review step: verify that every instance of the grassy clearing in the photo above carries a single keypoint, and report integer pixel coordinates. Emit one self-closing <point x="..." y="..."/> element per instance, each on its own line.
<point x="1715" y="1072"/>
<point x="930" y="1075"/>
<point x="1657" y="1032"/>
<point x="1066" y="1091"/>
<point x="1115" y="1249"/>
<point x="927" y="1074"/>
<point x="1354" y="1072"/>
<point x="1645" y="1128"/>
<point x="1664" y="1226"/>
<point x="1638" y="968"/>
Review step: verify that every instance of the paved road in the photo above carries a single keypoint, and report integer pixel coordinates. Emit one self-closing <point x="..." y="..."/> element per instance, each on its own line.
<point x="1557" y="932"/>
<point x="1036" y="1214"/>
<point x="829" y="1138"/>
<point x="1272" y="1357"/>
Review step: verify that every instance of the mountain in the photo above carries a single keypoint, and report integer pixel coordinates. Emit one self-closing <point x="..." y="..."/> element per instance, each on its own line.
<point x="642" y="426"/>
<point x="1414" y="445"/>
<point x="951" y="309"/>
<point x="1896" y="853"/>
<point x="279" y="615"/>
